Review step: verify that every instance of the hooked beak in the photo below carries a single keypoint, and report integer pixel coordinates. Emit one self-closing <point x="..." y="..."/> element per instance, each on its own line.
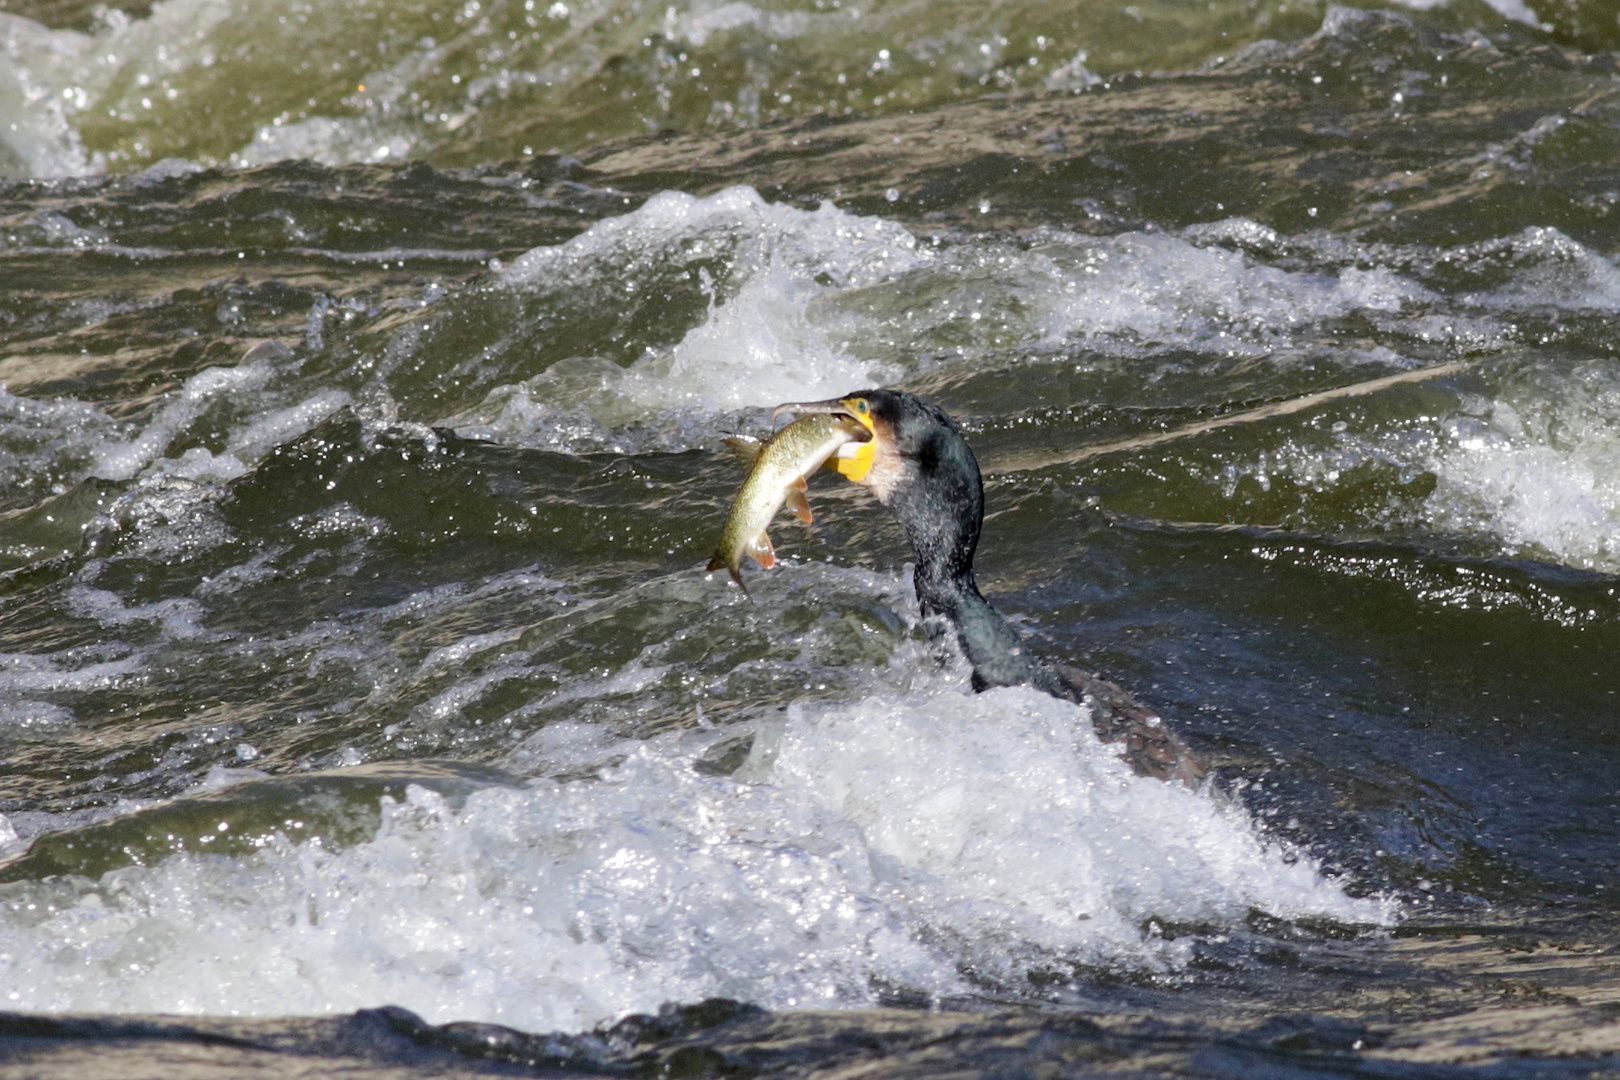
<point x="852" y="460"/>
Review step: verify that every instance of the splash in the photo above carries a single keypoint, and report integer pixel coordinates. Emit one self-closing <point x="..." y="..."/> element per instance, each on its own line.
<point x="1538" y="468"/>
<point x="893" y="840"/>
<point x="754" y="274"/>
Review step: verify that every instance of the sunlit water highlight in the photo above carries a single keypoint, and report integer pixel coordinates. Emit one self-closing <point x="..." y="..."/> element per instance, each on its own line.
<point x="891" y="842"/>
<point x="311" y="470"/>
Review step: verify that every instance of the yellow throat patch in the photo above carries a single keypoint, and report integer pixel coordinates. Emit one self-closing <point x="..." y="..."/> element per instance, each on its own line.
<point x="854" y="460"/>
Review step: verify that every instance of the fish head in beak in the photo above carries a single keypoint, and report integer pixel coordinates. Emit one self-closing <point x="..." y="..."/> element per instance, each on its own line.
<point x="854" y="459"/>
<point x="914" y="446"/>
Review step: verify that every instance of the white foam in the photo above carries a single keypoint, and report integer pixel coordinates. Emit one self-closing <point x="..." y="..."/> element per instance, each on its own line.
<point x="27" y="824"/>
<point x="1539" y="471"/>
<point x="1072" y="75"/>
<point x="149" y="74"/>
<point x="328" y="140"/>
<point x="37" y="137"/>
<point x="362" y="644"/>
<point x="1516" y="10"/>
<point x="1532" y="470"/>
<point x="453" y="655"/>
<point x="161" y="171"/>
<point x="10" y="842"/>
<point x="761" y="345"/>
<point x="220" y="777"/>
<point x="48" y="229"/>
<point x="32" y="673"/>
<point x="891" y="839"/>
<point x="246" y="396"/>
<point x="851" y="250"/>
<point x="267" y="430"/>
<point x="179" y="617"/>
<point x="820" y="303"/>
<point x="1162" y="289"/>
<point x="1550" y="271"/>
<point x="1133" y="293"/>
<point x="162" y="516"/>
<point x="123" y="460"/>
<point x="46" y="439"/>
<point x="24" y="715"/>
<point x="700" y="21"/>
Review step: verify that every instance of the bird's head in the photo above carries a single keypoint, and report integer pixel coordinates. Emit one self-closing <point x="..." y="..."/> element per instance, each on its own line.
<point x="912" y="442"/>
<point x="918" y="465"/>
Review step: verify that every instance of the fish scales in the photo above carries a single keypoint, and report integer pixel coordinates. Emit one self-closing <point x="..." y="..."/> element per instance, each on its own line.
<point x="775" y="477"/>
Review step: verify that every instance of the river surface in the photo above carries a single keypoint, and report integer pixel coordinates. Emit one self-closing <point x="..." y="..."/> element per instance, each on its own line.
<point x="363" y="376"/>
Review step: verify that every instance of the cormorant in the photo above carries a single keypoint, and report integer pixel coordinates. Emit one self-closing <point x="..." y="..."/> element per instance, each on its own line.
<point x="919" y="466"/>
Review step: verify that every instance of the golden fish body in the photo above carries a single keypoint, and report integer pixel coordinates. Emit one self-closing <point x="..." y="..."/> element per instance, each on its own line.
<point x="776" y="475"/>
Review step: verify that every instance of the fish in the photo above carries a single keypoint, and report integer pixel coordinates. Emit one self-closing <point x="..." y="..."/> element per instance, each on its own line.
<point x="777" y="469"/>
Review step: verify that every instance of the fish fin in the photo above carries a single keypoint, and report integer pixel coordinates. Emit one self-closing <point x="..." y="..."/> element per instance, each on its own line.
<point x="718" y="561"/>
<point x="797" y="502"/>
<point x="744" y="448"/>
<point x="759" y="549"/>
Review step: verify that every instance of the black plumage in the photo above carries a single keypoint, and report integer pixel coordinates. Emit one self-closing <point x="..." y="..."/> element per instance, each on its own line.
<point x="920" y="466"/>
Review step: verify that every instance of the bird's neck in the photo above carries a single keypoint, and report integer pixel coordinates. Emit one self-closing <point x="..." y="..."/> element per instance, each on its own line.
<point x="944" y="535"/>
<point x="991" y="645"/>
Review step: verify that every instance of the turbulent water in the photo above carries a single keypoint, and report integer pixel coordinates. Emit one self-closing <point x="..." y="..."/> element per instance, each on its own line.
<point x="363" y="376"/>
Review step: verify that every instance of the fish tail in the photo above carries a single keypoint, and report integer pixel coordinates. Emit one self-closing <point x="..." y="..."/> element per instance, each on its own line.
<point x="718" y="561"/>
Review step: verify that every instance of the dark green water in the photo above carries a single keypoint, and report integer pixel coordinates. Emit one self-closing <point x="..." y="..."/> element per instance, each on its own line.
<point x="354" y="642"/>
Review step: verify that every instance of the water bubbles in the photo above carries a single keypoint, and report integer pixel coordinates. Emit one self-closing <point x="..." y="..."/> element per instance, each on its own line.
<point x="878" y="841"/>
<point x="754" y="341"/>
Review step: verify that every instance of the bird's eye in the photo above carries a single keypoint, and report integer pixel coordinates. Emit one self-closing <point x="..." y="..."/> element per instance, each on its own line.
<point x="860" y="406"/>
